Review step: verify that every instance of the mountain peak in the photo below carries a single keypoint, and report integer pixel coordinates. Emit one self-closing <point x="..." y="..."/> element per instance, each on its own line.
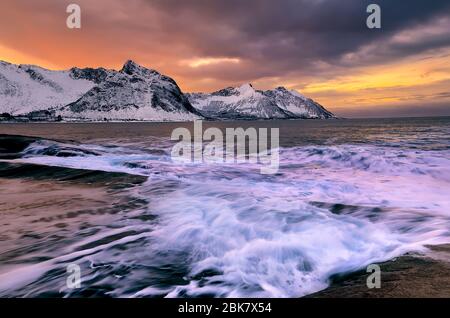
<point x="290" y="91"/>
<point x="246" y="85"/>
<point x="244" y="88"/>
<point x="131" y="63"/>
<point x="131" y="67"/>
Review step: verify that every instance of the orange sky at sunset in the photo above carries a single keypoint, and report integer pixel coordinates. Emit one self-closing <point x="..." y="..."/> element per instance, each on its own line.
<point x="402" y="69"/>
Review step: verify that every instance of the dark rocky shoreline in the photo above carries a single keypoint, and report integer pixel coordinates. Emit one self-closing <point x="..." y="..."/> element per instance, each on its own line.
<point x="408" y="276"/>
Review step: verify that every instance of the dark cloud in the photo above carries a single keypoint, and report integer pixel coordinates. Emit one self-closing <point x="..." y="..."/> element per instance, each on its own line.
<point x="271" y="37"/>
<point x="279" y="42"/>
<point x="294" y="33"/>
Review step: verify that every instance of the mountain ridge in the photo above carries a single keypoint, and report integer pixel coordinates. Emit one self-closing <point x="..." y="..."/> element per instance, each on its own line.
<point x="135" y="93"/>
<point x="246" y="102"/>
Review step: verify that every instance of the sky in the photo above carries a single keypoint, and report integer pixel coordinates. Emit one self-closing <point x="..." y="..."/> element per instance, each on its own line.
<point x="322" y="48"/>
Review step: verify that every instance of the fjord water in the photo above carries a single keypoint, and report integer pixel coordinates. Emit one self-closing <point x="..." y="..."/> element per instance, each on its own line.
<point x="348" y="193"/>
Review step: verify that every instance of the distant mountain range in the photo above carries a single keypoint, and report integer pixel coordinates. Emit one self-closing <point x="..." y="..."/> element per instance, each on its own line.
<point x="135" y="93"/>
<point x="245" y="102"/>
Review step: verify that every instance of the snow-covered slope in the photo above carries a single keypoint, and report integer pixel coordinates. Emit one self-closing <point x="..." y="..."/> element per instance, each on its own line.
<point x="246" y="102"/>
<point x="133" y="93"/>
<point x="26" y="88"/>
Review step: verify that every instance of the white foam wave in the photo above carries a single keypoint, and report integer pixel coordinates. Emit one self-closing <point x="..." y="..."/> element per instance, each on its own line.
<point x="254" y="235"/>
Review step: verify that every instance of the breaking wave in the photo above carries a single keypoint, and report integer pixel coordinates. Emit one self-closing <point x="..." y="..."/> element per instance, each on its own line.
<point x="226" y="230"/>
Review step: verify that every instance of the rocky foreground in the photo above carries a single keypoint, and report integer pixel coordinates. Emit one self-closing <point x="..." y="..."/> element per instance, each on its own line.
<point x="408" y="276"/>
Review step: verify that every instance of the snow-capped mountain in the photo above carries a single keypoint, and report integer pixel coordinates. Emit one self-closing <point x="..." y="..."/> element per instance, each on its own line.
<point x="136" y="93"/>
<point x="245" y="102"/>
<point x="27" y="88"/>
<point x="133" y="93"/>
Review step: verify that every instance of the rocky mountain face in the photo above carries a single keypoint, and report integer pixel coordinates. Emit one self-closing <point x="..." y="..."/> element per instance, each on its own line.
<point x="133" y="93"/>
<point x="245" y="102"/>
<point x="136" y="93"/>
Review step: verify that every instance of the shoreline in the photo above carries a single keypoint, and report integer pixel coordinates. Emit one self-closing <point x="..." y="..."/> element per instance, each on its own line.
<point x="214" y="120"/>
<point x="408" y="276"/>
